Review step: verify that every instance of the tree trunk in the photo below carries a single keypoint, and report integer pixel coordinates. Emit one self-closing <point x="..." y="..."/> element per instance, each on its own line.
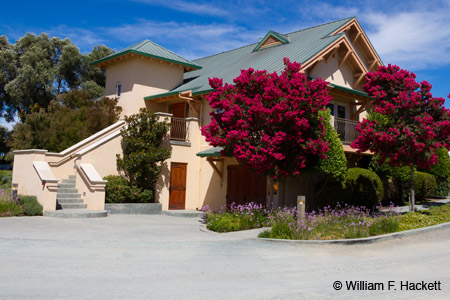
<point x="412" y="199"/>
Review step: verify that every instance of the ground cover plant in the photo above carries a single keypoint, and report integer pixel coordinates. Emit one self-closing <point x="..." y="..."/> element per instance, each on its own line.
<point x="18" y="206"/>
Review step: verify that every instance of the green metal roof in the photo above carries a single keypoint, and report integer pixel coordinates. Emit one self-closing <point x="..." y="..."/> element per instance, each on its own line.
<point x="347" y="89"/>
<point x="210" y="152"/>
<point x="150" y="49"/>
<point x="303" y="45"/>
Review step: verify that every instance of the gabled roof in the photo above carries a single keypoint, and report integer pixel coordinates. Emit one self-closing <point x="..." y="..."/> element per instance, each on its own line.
<point x="149" y="49"/>
<point x="303" y="45"/>
<point x="272" y="38"/>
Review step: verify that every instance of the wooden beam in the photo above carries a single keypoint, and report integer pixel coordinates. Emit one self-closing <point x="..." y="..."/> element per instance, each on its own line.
<point x="332" y="53"/>
<point x="356" y="37"/>
<point x="191" y="105"/>
<point x="218" y="169"/>
<point x="356" y="83"/>
<point x="310" y="69"/>
<point x="357" y="75"/>
<point x="347" y="55"/>
<point x="362" y="108"/>
<point x="373" y="64"/>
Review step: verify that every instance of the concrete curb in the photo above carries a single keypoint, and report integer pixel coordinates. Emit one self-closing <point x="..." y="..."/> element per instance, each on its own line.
<point x="183" y="213"/>
<point x="133" y="208"/>
<point x="367" y="240"/>
<point x="75" y="213"/>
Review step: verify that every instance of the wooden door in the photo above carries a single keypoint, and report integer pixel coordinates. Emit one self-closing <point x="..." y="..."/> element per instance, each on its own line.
<point x="177" y="194"/>
<point x="244" y="186"/>
<point x="179" y="110"/>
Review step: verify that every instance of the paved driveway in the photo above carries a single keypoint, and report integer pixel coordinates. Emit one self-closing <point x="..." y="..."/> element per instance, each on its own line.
<point x="163" y="257"/>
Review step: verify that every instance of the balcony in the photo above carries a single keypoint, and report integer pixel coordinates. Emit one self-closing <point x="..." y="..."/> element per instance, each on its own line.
<point x="179" y="129"/>
<point x="346" y="129"/>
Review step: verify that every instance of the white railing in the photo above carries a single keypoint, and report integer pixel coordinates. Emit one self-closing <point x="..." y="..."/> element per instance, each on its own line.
<point x="346" y="129"/>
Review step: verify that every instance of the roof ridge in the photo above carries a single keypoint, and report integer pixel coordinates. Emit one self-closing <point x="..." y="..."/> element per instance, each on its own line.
<point x="285" y="34"/>
<point x="167" y="50"/>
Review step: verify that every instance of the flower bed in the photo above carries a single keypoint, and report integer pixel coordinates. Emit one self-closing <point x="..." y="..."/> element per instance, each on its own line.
<point x="330" y="223"/>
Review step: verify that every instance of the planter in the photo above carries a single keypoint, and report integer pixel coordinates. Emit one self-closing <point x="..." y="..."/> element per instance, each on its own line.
<point x="133" y="208"/>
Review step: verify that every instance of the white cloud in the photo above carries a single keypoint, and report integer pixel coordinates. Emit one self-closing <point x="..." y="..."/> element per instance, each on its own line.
<point x="417" y="40"/>
<point x="205" y="8"/>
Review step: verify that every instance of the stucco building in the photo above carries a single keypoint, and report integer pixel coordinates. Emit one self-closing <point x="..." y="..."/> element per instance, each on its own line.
<point x="148" y="75"/>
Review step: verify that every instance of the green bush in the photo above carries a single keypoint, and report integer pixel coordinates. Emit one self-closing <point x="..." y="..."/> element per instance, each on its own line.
<point x="424" y="185"/>
<point x="30" y="206"/>
<point x="9" y="208"/>
<point x="118" y="190"/>
<point x="442" y="188"/>
<point x="363" y="187"/>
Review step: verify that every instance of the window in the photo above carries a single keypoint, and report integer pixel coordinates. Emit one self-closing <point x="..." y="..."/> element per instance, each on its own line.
<point x="118" y="89"/>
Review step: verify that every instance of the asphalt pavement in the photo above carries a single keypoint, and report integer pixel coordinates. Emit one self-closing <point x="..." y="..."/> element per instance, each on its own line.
<point x="166" y="257"/>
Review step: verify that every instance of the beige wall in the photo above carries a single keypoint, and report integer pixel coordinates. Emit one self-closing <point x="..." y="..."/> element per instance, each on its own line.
<point x="141" y="77"/>
<point x="331" y="72"/>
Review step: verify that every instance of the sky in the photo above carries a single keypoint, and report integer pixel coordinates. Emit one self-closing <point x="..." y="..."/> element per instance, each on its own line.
<point x="412" y="34"/>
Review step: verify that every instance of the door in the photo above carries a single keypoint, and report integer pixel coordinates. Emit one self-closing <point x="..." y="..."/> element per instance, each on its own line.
<point x="244" y="186"/>
<point x="178" y="122"/>
<point x="177" y="191"/>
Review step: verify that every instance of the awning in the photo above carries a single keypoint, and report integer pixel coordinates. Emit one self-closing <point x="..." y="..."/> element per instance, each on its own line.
<point x="211" y="152"/>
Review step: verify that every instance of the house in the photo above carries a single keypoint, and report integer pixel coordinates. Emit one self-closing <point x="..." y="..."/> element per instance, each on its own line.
<point x="148" y="75"/>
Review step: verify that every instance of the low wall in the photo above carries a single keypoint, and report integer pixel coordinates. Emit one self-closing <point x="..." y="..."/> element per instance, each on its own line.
<point x="133" y="208"/>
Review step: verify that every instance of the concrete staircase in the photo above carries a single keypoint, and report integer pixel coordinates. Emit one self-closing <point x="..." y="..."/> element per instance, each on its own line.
<point x="69" y="203"/>
<point x="67" y="196"/>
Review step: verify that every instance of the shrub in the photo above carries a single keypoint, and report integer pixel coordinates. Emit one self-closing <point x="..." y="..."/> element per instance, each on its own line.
<point x="424" y="185"/>
<point x="118" y="190"/>
<point x="442" y="188"/>
<point x="363" y="187"/>
<point x="30" y="206"/>
<point x="9" y="208"/>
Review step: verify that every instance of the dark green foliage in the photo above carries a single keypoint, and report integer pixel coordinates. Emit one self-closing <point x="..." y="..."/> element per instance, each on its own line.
<point x="336" y="163"/>
<point x="424" y="185"/>
<point x="441" y="171"/>
<point x="118" y="190"/>
<point x="363" y="188"/>
<point x="75" y="117"/>
<point x="387" y="171"/>
<point x="30" y="206"/>
<point x="5" y="133"/>
<point x="36" y="69"/>
<point x="142" y="151"/>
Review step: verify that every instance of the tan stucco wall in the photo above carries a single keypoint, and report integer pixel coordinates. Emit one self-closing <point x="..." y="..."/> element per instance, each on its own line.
<point x="140" y="77"/>
<point x="331" y="72"/>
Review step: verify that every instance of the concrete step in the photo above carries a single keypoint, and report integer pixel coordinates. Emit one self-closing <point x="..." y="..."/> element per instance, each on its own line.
<point x="72" y="177"/>
<point x="66" y="185"/>
<point x="67" y="195"/>
<point x="71" y="181"/>
<point x="70" y="200"/>
<point x="76" y="213"/>
<point x="65" y="191"/>
<point x="73" y="205"/>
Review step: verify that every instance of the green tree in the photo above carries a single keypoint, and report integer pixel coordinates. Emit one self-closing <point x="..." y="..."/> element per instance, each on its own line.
<point x="72" y="118"/>
<point x="36" y="69"/>
<point x="5" y="133"/>
<point x="142" y="152"/>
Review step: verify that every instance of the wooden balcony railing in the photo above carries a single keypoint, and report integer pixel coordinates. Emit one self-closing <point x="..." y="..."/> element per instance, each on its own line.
<point x="179" y="129"/>
<point x="346" y="129"/>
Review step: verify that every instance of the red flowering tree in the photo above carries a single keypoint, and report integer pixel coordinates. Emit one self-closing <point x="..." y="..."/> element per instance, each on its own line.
<point x="407" y="125"/>
<point x="270" y="123"/>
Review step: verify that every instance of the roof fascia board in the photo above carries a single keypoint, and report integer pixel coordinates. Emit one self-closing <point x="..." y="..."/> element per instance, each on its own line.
<point x="105" y="59"/>
<point x="368" y="43"/>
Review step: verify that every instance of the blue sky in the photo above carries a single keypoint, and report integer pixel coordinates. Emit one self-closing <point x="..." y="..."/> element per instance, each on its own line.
<point x="412" y="34"/>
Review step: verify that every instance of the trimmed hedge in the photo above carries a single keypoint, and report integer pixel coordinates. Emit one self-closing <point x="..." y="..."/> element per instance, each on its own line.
<point x="424" y="185"/>
<point x="30" y="206"/>
<point x="363" y="187"/>
<point x="118" y="190"/>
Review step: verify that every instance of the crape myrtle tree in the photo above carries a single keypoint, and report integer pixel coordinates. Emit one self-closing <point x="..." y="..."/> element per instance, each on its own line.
<point x="407" y="125"/>
<point x="270" y="123"/>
